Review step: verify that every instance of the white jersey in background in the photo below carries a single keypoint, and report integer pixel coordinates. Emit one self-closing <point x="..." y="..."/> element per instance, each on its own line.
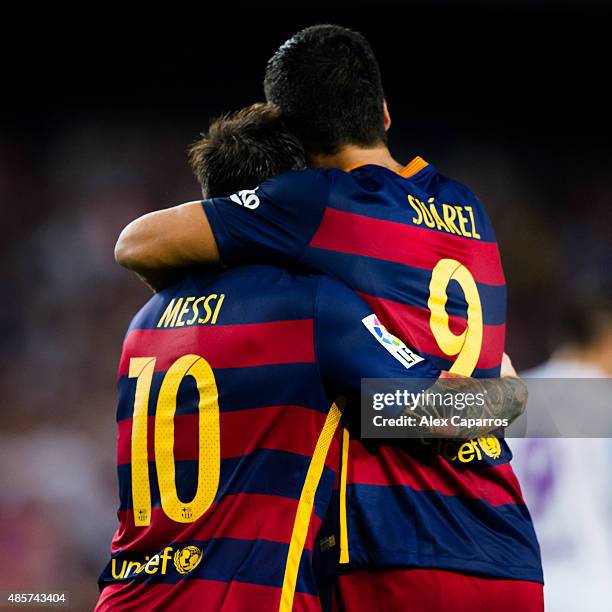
<point x="567" y="485"/>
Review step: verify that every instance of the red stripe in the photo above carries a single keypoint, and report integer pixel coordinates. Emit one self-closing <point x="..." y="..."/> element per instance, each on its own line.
<point x="245" y="516"/>
<point x="286" y="428"/>
<point x="411" y="324"/>
<point x="224" y="346"/>
<point x="414" y="246"/>
<point x="198" y="595"/>
<point x="441" y="590"/>
<point x="391" y="466"/>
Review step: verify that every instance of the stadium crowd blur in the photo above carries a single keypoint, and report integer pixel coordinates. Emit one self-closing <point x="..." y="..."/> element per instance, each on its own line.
<point x="66" y="304"/>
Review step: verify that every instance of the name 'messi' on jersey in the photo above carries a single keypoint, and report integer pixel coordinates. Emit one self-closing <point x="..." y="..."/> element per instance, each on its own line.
<point x="192" y="310"/>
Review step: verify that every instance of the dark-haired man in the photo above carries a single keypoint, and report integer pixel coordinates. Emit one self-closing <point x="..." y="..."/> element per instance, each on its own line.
<point x="232" y="377"/>
<point x="421" y="251"/>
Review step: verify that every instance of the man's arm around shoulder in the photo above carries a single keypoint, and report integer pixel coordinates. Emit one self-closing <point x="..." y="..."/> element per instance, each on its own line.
<point x="175" y="237"/>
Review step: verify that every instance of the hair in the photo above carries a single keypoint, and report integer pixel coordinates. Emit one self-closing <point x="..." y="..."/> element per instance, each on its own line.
<point x="243" y="149"/>
<point x="326" y="81"/>
<point x="585" y="321"/>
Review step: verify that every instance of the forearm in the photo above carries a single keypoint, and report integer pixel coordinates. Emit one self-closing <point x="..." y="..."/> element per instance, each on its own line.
<point x="172" y="238"/>
<point x="499" y="399"/>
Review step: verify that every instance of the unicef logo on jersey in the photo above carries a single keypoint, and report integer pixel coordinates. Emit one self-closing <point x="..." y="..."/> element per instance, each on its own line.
<point x="187" y="559"/>
<point x="246" y="198"/>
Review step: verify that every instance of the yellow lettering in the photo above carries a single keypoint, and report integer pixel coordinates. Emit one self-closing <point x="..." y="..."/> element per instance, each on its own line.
<point x="152" y="565"/>
<point x="117" y="576"/>
<point x="470" y="212"/>
<point x="449" y="217"/>
<point x="170" y="314"/>
<point x="194" y="309"/>
<point x="165" y="558"/>
<point x="133" y="564"/>
<point x="419" y="218"/>
<point x="429" y="222"/>
<point x="466" y="452"/>
<point x="462" y="222"/>
<point x="436" y="216"/>
<point x="179" y="321"/>
<point x="218" y="308"/>
<point x="452" y="220"/>
<point x="207" y="309"/>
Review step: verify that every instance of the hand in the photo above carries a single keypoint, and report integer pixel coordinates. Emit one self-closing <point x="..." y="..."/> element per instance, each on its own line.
<point x="447" y="374"/>
<point x="507" y="369"/>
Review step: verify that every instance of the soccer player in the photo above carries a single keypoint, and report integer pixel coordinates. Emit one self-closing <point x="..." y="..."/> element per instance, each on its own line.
<point x="420" y="250"/>
<point x="568" y="477"/>
<point x="228" y="414"/>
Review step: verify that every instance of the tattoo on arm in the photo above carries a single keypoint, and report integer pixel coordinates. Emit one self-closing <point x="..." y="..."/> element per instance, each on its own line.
<point x="500" y="398"/>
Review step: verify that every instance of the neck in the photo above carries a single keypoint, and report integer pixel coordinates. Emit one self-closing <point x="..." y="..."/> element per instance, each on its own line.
<point x="351" y="156"/>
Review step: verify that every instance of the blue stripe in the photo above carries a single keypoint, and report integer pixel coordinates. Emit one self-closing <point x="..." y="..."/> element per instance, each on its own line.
<point x="397" y="525"/>
<point x="239" y="389"/>
<point x="263" y="472"/>
<point x="262" y="296"/>
<point x="224" y="559"/>
<point x="445" y="364"/>
<point x="401" y="283"/>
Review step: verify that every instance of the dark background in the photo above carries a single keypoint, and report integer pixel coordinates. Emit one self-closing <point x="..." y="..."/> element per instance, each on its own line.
<point x="98" y="107"/>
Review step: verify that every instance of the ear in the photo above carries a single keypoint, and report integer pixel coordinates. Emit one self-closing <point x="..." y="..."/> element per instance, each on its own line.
<point x="387" y="116"/>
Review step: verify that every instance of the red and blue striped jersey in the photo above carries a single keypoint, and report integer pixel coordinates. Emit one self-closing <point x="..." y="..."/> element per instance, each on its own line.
<point x="228" y="438"/>
<point x="420" y="249"/>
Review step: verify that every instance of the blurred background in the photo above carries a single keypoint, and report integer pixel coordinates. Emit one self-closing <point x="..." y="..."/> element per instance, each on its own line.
<point x="99" y="107"/>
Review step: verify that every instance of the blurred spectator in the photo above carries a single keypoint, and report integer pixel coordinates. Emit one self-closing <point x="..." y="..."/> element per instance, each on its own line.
<point x="567" y="482"/>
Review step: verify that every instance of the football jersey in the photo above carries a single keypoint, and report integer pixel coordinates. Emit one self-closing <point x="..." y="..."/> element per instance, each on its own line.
<point x="228" y="438"/>
<point x="564" y="478"/>
<point x="420" y="249"/>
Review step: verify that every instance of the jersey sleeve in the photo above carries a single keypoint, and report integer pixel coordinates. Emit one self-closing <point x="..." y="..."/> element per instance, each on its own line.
<point x="272" y="223"/>
<point x="351" y="344"/>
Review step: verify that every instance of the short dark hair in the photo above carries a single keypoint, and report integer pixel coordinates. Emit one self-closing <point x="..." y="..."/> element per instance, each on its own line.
<point x="243" y="149"/>
<point x="327" y="83"/>
<point x="586" y="319"/>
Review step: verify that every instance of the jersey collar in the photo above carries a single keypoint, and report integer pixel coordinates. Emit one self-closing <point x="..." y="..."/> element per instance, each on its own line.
<point x="408" y="171"/>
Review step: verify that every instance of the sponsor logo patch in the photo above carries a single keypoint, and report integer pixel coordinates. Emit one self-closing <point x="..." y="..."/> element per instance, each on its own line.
<point x="186" y="559"/>
<point x="392" y="343"/>
<point x="246" y="198"/>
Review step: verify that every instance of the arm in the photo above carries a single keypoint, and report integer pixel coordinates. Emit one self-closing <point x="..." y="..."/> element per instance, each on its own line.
<point x="352" y="345"/>
<point x="270" y="224"/>
<point x="155" y="244"/>
<point x="504" y="399"/>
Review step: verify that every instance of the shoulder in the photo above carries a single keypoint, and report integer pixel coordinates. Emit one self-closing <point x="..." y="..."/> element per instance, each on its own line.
<point x="450" y="187"/>
<point x="266" y="292"/>
<point x="298" y="184"/>
<point x="338" y="303"/>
